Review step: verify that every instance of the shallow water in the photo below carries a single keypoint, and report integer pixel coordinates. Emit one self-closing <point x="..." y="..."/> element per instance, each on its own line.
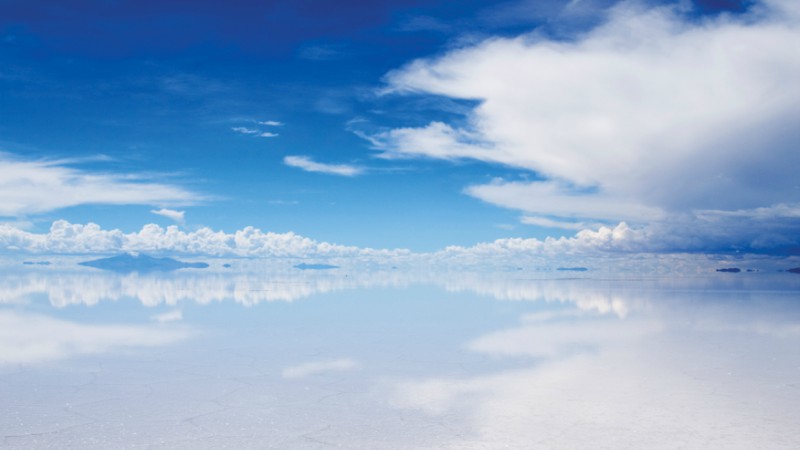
<point x="283" y="358"/>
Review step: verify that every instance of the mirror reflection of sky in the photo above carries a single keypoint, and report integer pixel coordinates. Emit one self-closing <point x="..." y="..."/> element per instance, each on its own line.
<point x="522" y="206"/>
<point x="398" y="359"/>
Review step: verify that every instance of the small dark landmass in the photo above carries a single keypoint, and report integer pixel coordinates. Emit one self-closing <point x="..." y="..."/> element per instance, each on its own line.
<point x="752" y="270"/>
<point x="304" y="266"/>
<point x="227" y="266"/>
<point x="795" y="270"/>
<point x="141" y="263"/>
<point x="730" y="270"/>
<point x="36" y="263"/>
<point x="573" y="269"/>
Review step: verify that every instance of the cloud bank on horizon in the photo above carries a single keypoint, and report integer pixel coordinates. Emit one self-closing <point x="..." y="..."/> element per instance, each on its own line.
<point x="68" y="238"/>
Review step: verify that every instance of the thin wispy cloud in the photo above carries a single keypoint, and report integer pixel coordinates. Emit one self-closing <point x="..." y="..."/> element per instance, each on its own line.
<point x="245" y="130"/>
<point x="283" y="202"/>
<point x="32" y="187"/>
<point x="309" y="165"/>
<point x="550" y="223"/>
<point x="177" y="216"/>
<point x="259" y="132"/>
<point x="170" y="316"/>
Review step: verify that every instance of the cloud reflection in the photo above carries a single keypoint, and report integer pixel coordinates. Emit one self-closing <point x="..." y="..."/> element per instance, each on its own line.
<point x="62" y="289"/>
<point x="701" y="363"/>
<point x="32" y="338"/>
<point x="618" y="297"/>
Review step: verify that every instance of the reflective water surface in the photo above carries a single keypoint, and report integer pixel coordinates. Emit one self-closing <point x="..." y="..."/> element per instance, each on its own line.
<point x="283" y="358"/>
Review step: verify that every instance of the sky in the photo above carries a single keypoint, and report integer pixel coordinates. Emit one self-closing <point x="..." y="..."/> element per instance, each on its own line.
<point x="330" y="128"/>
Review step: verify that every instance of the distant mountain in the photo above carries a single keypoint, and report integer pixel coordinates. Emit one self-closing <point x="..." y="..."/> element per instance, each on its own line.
<point x="795" y="270"/>
<point x="140" y="263"/>
<point x="730" y="269"/>
<point x="304" y="266"/>
<point x="573" y="269"/>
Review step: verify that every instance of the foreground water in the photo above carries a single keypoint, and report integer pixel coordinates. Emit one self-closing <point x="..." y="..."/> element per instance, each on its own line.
<point x="395" y="359"/>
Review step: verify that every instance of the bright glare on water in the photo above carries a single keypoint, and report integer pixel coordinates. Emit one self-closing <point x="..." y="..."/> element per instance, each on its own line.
<point x="398" y="359"/>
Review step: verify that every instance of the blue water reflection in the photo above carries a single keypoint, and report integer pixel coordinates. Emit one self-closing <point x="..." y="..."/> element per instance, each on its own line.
<point x="279" y="357"/>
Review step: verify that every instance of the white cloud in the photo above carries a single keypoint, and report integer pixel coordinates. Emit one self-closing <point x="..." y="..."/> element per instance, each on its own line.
<point x="708" y="233"/>
<point x="550" y="223"/>
<point x="557" y="199"/>
<point x="31" y="187"/>
<point x="309" y="165"/>
<point x="68" y="238"/>
<point x="245" y="130"/>
<point x="177" y="216"/>
<point x="169" y="316"/>
<point x="619" y="239"/>
<point x="648" y="114"/>
<point x="317" y="367"/>
<point x="257" y="132"/>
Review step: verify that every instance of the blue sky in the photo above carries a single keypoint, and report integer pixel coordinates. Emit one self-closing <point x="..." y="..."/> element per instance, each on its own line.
<point x="404" y="124"/>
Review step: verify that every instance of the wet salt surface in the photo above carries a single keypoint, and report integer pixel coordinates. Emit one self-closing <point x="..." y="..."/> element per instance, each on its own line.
<point x="398" y="360"/>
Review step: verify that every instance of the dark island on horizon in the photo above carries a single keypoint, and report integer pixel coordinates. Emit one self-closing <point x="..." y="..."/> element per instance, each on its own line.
<point x="129" y="262"/>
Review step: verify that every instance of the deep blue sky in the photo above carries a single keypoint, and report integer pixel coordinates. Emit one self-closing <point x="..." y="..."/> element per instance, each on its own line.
<point x="173" y="93"/>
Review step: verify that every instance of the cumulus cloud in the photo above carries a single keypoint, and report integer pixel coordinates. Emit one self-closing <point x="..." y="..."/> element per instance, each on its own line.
<point x="309" y="165"/>
<point x="271" y="123"/>
<point x="649" y="114"/>
<point x="68" y="238"/>
<point x="29" y="187"/>
<point x="267" y="134"/>
<point x="618" y="239"/>
<point x="707" y="234"/>
<point x="177" y="216"/>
